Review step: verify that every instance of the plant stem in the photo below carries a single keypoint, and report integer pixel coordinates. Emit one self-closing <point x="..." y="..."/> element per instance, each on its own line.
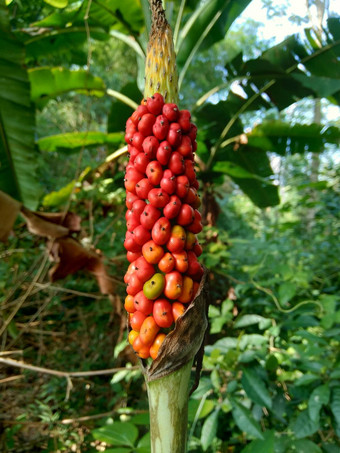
<point x="168" y="405"/>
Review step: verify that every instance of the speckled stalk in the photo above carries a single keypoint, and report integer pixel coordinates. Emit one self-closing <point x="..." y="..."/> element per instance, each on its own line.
<point x="168" y="406"/>
<point x="160" y="67"/>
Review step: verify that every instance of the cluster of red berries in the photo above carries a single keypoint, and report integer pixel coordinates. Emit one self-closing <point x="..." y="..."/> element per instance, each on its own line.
<point x="162" y="221"/>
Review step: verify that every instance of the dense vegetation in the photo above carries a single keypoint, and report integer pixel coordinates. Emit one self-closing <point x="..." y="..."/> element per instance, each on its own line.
<point x="268" y="164"/>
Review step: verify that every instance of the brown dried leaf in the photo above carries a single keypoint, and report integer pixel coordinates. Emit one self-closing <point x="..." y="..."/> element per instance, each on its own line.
<point x="70" y="256"/>
<point x="9" y="210"/>
<point x="69" y="220"/>
<point x="183" y="343"/>
<point x="36" y="224"/>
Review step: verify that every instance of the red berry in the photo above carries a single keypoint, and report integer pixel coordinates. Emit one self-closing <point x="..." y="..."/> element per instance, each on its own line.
<point x="154" y="172"/>
<point x="144" y="270"/>
<point x="162" y="313"/>
<point x="143" y="188"/>
<point x="186" y="215"/>
<point x="174" y="136"/>
<point x="138" y="207"/>
<point x="137" y="114"/>
<point x="141" y="235"/>
<point x="158" y="198"/>
<point x="161" y="231"/>
<point x="132" y="177"/>
<point x="141" y="162"/>
<point x="133" y="256"/>
<point x="182" y="186"/>
<point x="149" y="216"/>
<point x="164" y="152"/>
<point x="161" y="127"/>
<point x="171" y="210"/>
<point x="176" y="163"/>
<point x="146" y="123"/>
<point x="171" y="111"/>
<point x="142" y="303"/>
<point x="185" y="147"/>
<point x="155" y="103"/>
<point x="184" y="120"/>
<point x="168" y="182"/>
<point x="150" y="146"/>
<point x="137" y="140"/>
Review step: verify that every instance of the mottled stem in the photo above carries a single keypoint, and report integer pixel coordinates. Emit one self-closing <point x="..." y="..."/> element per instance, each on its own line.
<point x="168" y="405"/>
<point x="160" y="68"/>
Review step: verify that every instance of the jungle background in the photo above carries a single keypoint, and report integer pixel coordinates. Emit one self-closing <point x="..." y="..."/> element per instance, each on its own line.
<point x="267" y="111"/>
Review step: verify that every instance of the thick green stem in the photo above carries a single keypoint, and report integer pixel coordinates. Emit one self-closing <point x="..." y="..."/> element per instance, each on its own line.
<point x="168" y="405"/>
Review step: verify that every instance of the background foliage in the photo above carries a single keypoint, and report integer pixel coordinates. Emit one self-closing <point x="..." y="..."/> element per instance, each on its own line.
<point x="268" y="164"/>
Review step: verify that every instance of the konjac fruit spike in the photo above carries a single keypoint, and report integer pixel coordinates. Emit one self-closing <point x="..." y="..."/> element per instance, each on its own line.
<point x="162" y="218"/>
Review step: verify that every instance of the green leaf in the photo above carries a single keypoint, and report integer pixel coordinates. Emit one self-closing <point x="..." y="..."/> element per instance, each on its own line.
<point x="144" y="442"/>
<point x="59" y="197"/>
<point x="117" y="434"/>
<point x="244" y="420"/>
<point x="57" y="3"/>
<point x="248" y="320"/>
<point x="18" y="156"/>
<point x="209" y="429"/>
<point x="335" y="404"/>
<point x="305" y="446"/>
<point x="261" y="446"/>
<point x="284" y="138"/>
<point x="319" y="397"/>
<point x="307" y="379"/>
<point x="217" y="14"/>
<point x="232" y="169"/>
<point x="303" y="426"/>
<point x="76" y="141"/>
<point x="287" y="291"/>
<point x="255" y="388"/>
<point x="47" y="83"/>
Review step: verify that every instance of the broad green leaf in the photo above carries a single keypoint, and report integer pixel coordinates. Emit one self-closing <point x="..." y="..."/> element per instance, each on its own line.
<point x="209" y="429"/>
<point x="58" y="41"/>
<point x="335" y="404"/>
<point x="248" y="320"/>
<point x="205" y="409"/>
<point x="18" y="156"/>
<point x="261" y="446"/>
<point x="255" y="388"/>
<point x="117" y="434"/>
<point x="284" y="138"/>
<point x="233" y="170"/>
<point x="330" y="448"/>
<point x="307" y="379"/>
<point x="303" y="426"/>
<point x="125" y="16"/>
<point x="305" y="446"/>
<point x="287" y="291"/>
<point x="75" y="141"/>
<point x="144" y="442"/>
<point x="215" y="16"/>
<point x="319" y="397"/>
<point x="49" y="82"/>
<point x="245" y="421"/>
<point x="252" y="340"/>
<point x="57" y="3"/>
